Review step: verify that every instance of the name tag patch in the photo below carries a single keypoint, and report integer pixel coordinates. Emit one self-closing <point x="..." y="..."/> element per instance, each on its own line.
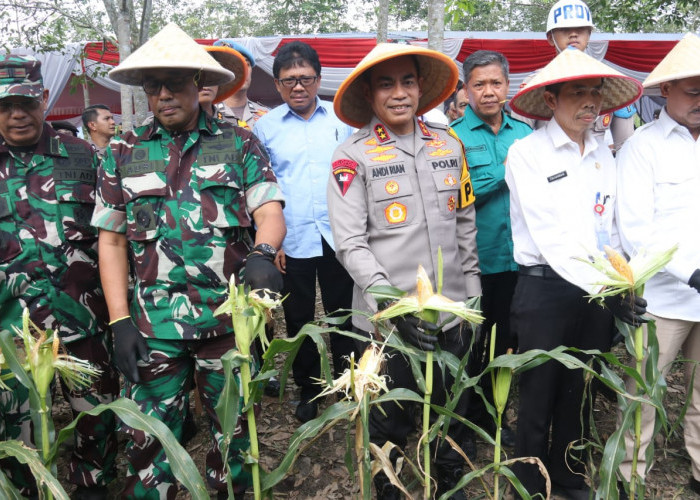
<point x="557" y="176"/>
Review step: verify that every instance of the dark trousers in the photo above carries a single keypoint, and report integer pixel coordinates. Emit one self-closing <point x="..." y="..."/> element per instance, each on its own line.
<point x="299" y="308"/>
<point x="396" y="422"/>
<point x="497" y="293"/>
<point x="548" y="312"/>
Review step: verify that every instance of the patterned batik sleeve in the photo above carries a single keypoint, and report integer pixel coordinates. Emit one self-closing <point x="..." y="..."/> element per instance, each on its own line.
<point x="110" y="213"/>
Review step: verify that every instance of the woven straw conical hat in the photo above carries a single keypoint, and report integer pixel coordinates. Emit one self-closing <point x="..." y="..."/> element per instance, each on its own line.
<point x="438" y="71"/>
<point x="233" y="61"/>
<point x="572" y="64"/>
<point x="170" y="48"/>
<point x="683" y="61"/>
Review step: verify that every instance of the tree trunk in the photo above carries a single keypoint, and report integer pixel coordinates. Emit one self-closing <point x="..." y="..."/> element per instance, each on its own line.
<point x="383" y="21"/>
<point x="436" y="24"/>
<point x="124" y="41"/>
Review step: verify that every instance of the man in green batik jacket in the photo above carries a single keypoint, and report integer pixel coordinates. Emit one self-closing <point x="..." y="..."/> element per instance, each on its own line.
<point x="174" y="200"/>
<point x="48" y="265"/>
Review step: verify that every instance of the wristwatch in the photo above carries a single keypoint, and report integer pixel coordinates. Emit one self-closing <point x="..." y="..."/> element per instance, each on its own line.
<point x="266" y="249"/>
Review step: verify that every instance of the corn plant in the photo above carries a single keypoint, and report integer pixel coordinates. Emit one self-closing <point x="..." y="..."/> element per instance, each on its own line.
<point x="426" y="305"/>
<point x="628" y="279"/>
<point x="34" y="366"/>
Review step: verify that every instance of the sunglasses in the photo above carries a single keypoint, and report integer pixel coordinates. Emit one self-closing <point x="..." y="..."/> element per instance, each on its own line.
<point x="153" y="86"/>
<point x="290" y="83"/>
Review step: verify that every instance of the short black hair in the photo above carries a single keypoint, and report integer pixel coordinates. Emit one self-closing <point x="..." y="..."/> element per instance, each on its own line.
<point x="554" y="88"/>
<point x="484" y="58"/>
<point x="90" y="114"/>
<point x="293" y="54"/>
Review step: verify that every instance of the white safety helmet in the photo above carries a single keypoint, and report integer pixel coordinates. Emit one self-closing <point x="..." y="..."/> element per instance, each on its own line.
<point x="569" y="14"/>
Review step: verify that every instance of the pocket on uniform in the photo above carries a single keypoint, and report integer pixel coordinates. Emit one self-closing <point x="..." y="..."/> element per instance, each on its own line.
<point x="395" y="203"/>
<point x="447" y="185"/>
<point x="10" y="244"/>
<point x="223" y="200"/>
<point x="76" y="202"/>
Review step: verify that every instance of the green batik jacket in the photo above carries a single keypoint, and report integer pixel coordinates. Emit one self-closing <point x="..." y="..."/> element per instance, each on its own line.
<point x="48" y="249"/>
<point x="184" y="202"/>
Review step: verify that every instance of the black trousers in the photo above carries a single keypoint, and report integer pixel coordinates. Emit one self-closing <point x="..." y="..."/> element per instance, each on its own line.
<point x="497" y="293"/>
<point x="548" y="312"/>
<point x="398" y="422"/>
<point x="299" y="308"/>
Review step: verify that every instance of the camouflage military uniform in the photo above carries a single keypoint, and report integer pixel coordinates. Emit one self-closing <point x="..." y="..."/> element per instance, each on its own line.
<point x="48" y="264"/>
<point x="183" y="201"/>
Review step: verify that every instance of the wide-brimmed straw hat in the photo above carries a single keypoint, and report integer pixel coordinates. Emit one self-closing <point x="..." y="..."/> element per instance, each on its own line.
<point x="170" y="48"/>
<point x="233" y="61"/>
<point x="438" y="71"/>
<point x="572" y="64"/>
<point x="683" y="61"/>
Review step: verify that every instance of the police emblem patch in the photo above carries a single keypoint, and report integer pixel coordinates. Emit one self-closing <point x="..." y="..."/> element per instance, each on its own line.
<point x="451" y="203"/>
<point x="344" y="171"/>
<point x="395" y="213"/>
<point x="391" y="187"/>
<point x="450" y="180"/>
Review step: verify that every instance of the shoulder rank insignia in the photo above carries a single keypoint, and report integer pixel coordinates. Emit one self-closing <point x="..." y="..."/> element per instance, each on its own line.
<point x="424" y="130"/>
<point x="606" y="120"/>
<point x="381" y="133"/>
<point x="344" y="171"/>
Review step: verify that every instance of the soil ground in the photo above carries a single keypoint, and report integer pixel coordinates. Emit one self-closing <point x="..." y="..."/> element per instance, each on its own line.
<point x="320" y="473"/>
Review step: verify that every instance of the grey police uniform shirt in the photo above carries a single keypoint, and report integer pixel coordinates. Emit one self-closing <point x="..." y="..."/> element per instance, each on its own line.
<point x="391" y="207"/>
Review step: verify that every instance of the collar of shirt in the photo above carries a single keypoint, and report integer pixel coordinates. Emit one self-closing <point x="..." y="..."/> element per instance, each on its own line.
<point x="472" y="120"/>
<point x="560" y="139"/>
<point x="290" y="113"/>
<point x="204" y="124"/>
<point x="669" y="125"/>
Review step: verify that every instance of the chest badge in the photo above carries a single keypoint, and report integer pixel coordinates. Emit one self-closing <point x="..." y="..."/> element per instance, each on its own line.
<point x="391" y="187"/>
<point x="606" y="120"/>
<point x="395" y="213"/>
<point x="440" y="152"/>
<point x="451" y="203"/>
<point x="450" y="180"/>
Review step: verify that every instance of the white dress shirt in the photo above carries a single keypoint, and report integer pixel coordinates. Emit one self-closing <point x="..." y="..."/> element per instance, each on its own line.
<point x="562" y="202"/>
<point x="659" y="205"/>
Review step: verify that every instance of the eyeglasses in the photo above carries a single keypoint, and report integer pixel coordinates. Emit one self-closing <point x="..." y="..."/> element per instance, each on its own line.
<point x="290" y="83"/>
<point x="152" y="86"/>
<point x="27" y="105"/>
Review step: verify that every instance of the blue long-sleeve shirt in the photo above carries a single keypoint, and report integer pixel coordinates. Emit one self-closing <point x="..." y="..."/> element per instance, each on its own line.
<point x="300" y="154"/>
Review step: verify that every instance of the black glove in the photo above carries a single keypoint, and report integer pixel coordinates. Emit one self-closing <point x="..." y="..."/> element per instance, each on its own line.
<point x="627" y="310"/>
<point x="260" y="272"/>
<point x="694" y="280"/>
<point x="129" y="347"/>
<point x="413" y="331"/>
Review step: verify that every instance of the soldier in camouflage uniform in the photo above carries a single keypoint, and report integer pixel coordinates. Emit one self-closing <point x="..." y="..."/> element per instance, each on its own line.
<point x="48" y="264"/>
<point x="174" y="198"/>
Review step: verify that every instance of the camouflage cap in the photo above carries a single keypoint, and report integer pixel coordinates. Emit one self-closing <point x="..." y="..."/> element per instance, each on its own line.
<point x="21" y="76"/>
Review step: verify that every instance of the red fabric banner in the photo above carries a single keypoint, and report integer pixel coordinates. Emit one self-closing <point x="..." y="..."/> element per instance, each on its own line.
<point x="96" y="52"/>
<point x="638" y="55"/>
<point x="524" y="56"/>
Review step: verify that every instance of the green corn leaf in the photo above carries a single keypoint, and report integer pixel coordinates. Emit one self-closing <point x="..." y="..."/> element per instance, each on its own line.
<point x="42" y="474"/>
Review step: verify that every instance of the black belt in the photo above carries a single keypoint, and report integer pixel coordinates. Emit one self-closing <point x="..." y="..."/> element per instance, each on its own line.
<point x="539" y="271"/>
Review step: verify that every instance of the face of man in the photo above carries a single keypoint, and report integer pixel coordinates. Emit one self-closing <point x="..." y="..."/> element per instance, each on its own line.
<point x="487" y="89"/>
<point x="103" y="124"/>
<point x="175" y="102"/>
<point x="683" y="102"/>
<point x="563" y="37"/>
<point x="300" y="98"/>
<point x="393" y="92"/>
<point x="577" y="105"/>
<point x="22" y="119"/>
<point x="207" y="96"/>
<point x="461" y="101"/>
<point x="248" y="77"/>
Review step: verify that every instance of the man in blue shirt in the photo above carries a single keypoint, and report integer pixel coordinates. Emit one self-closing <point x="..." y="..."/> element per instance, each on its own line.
<point x="487" y="132"/>
<point x="300" y="136"/>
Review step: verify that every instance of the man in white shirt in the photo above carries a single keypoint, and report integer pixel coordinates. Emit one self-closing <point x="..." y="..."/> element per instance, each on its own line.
<point x="562" y="198"/>
<point x="658" y="205"/>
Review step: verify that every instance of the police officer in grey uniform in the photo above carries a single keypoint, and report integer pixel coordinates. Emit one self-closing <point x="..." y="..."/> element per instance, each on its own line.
<point x="399" y="191"/>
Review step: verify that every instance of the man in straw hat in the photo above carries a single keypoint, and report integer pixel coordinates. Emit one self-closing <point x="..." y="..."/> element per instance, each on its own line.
<point x="570" y="24"/>
<point x="48" y="266"/>
<point x="237" y="107"/>
<point x="399" y="190"/>
<point x="658" y="205"/>
<point x="562" y="202"/>
<point x="173" y="199"/>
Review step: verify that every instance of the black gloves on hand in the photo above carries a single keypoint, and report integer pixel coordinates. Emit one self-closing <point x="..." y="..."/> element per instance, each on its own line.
<point x="627" y="310"/>
<point x="260" y="272"/>
<point x="413" y="331"/>
<point x="694" y="280"/>
<point x="129" y="347"/>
